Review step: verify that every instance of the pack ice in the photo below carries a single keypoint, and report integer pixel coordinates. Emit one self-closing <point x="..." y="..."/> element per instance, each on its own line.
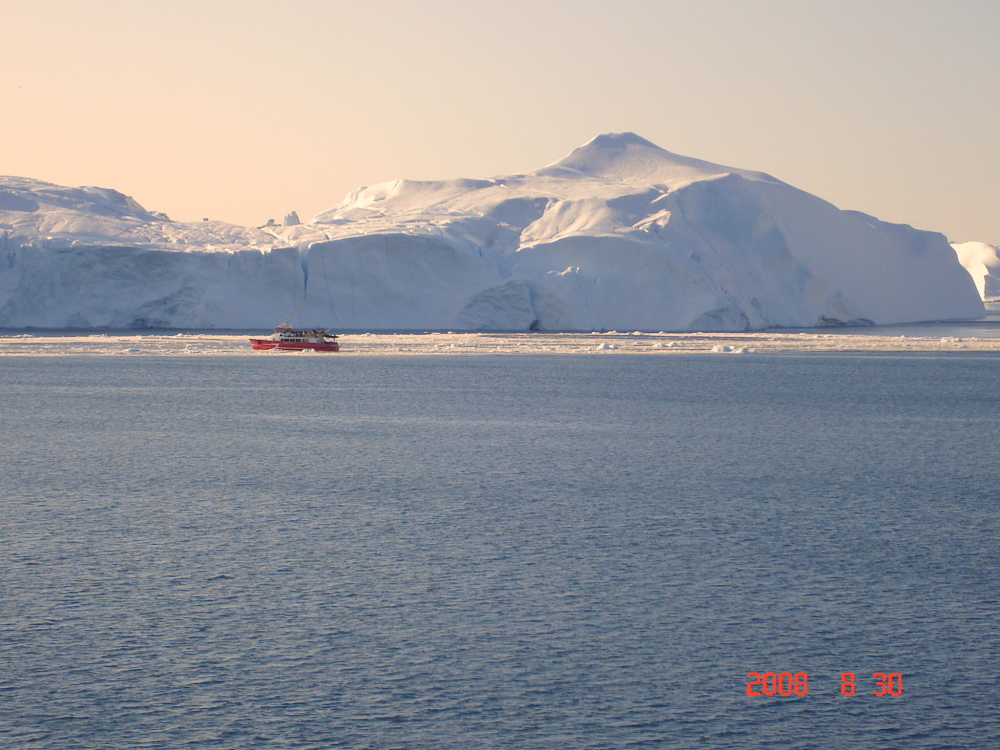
<point x="619" y="234"/>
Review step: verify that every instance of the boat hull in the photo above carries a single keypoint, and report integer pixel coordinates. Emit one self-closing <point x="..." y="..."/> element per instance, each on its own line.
<point x="294" y="346"/>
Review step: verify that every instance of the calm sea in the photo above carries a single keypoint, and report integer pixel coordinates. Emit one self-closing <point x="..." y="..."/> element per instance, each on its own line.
<point x="499" y="552"/>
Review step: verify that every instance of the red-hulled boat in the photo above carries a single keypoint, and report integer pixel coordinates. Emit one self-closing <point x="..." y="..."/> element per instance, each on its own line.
<point x="286" y="338"/>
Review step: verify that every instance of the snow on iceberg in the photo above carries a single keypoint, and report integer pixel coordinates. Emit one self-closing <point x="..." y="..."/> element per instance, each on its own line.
<point x="619" y="234"/>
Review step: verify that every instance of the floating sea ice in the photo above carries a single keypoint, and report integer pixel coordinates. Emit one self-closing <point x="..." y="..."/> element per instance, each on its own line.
<point x="605" y="347"/>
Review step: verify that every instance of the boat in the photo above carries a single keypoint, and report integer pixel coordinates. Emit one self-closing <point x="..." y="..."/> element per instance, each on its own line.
<point x="288" y="339"/>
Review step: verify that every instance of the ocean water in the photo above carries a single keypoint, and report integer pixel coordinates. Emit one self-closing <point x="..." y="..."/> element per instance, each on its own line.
<point x="498" y="552"/>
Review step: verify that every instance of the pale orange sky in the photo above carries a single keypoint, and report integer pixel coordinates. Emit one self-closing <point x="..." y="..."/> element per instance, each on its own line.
<point x="244" y="110"/>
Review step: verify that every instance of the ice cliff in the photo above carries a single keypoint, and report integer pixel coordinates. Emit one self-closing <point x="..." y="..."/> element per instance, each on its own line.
<point x="620" y="234"/>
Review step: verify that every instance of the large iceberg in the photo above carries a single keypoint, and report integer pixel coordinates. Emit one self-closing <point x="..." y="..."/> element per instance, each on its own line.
<point x="620" y="234"/>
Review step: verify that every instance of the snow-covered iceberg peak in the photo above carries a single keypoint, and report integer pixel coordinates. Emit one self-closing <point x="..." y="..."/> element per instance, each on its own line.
<point x="23" y="195"/>
<point x="626" y="157"/>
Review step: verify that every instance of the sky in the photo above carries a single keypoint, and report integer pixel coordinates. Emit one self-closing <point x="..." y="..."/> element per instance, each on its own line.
<point x="243" y="110"/>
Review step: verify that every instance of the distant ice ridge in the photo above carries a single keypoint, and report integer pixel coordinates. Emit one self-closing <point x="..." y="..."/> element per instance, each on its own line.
<point x="982" y="261"/>
<point x="620" y="234"/>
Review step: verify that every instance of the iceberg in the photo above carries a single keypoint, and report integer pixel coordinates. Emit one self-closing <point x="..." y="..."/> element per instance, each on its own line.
<point x="982" y="261"/>
<point x="620" y="234"/>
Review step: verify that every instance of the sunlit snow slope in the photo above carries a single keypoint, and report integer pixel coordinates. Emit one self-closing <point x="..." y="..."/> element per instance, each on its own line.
<point x="620" y="234"/>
